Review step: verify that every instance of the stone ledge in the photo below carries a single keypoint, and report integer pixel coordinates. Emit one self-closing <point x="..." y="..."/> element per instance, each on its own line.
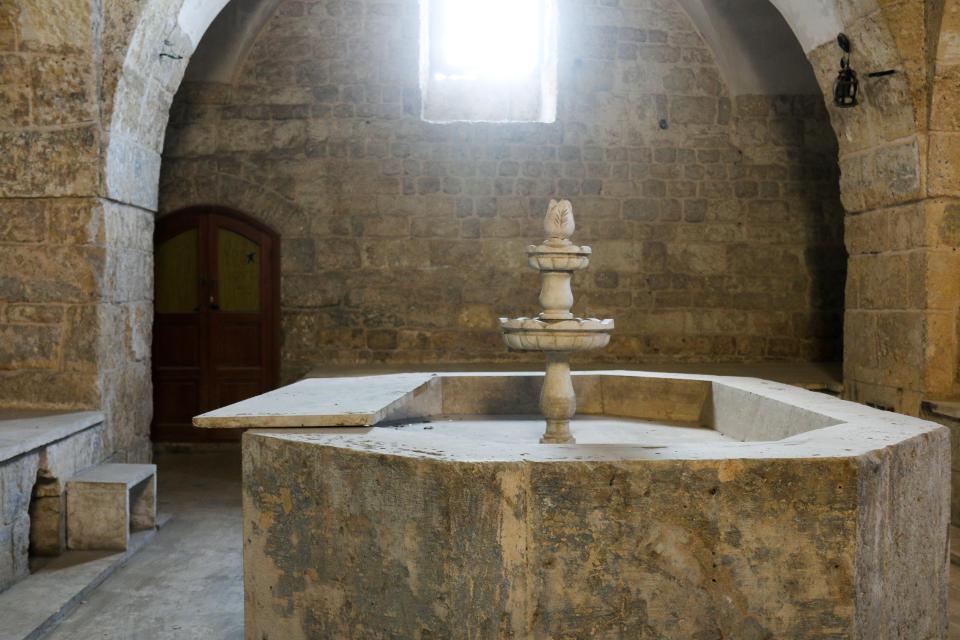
<point x="943" y="408"/>
<point x="23" y="430"/>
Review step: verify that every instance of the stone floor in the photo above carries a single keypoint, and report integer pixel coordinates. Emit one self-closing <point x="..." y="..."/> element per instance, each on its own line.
<point x="187" y="583"/>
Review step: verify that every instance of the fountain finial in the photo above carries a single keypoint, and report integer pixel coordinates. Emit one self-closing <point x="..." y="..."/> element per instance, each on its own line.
<point x="558" y="223"/>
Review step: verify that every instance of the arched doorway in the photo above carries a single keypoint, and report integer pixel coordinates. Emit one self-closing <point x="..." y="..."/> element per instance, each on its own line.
<point x="216" y="316"/>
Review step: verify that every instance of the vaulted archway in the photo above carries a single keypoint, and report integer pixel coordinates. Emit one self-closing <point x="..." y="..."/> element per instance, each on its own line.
<point x="130" y="58"/>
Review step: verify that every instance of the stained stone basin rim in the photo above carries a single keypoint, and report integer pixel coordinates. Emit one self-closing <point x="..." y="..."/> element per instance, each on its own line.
<point x="802" y="516"/>
<point x="762" y="419"/>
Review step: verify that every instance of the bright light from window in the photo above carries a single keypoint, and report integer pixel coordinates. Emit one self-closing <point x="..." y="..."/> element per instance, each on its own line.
<point x="488" y="60"/>
<point x="488" y="38"/>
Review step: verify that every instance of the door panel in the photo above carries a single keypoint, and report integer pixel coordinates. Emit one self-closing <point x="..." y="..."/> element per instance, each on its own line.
<point x="178" y="273"/>
<point x="238" y="268"/>
<point x="176" y="400"/>
<point x="178" y="343"/>
<point x="216" y="317"/>
<point x="240" y="344"/>
<point x="229" y="391"/>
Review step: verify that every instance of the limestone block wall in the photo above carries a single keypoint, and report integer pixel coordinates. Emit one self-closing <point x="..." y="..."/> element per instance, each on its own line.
<point x="87" y="82"/>
<point x="716" y="221"/>
<point x="900" y="325"/>
<point x="75" y="268"/>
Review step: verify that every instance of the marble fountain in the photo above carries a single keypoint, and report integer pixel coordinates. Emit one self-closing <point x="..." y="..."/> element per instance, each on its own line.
<point x="687" y="507"/>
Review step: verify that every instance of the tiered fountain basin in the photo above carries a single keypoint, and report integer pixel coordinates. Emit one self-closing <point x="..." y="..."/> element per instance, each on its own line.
<point x="533" y="334"/>
<point x="423" y="506"/>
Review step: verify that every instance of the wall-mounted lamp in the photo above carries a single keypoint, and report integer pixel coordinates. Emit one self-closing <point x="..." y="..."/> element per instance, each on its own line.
<point x="846" y="88"/>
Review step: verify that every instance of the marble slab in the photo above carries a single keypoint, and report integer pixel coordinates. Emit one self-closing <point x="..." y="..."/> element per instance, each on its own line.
<point x="323" y="402"/>
<point x="23" y="430"/>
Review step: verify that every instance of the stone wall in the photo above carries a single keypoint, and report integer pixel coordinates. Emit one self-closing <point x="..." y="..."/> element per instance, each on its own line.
<point x="86" y="83"/>
<point x="75" y="268"/>
<point x="900" y="321"/>
<point x="716" y="221"/>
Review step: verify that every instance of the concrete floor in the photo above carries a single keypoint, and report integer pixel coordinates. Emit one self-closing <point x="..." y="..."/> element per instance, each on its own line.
<point x="187" y="583"/>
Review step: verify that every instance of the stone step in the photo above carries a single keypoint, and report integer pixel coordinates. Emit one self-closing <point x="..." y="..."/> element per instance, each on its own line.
<point x="105" y="503"/>
<point x="33" y="607"/>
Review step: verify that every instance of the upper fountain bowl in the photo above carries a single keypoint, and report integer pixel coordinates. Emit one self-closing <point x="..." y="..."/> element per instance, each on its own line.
<point x="558" y="258"/>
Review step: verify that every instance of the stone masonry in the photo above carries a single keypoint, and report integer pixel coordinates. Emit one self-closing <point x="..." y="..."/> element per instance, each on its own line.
<point x="75" y="268"/>
<point x="719" y="218"/>
<point x="84" y="100"/>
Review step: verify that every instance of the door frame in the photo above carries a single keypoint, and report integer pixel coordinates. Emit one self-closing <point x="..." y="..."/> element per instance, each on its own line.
<point x="272" y="303"/>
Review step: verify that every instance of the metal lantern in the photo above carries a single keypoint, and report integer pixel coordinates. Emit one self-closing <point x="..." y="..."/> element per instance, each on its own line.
<point x="846" y="89"/>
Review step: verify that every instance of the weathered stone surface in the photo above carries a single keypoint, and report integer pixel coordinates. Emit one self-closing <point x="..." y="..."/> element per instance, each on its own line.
<point x="609" y="152"/>
<point x="14" y="546"/>
<point x="105" y="503"/>
<point x="17" y="476"/>
<point x="15" y="89"/>
<point x="462" y="536"/>
<point x="690" y="218"/>
<point x="67" y="30"/>
<point x="51" y="389"/>
<point x="28" y="346"/>
<point x="50" y="162"/>
<point x="76" y="274"/>
<point x="50" y="273"/>
<point x="35" y="314"/>
<point x="62" y="90"/>
<point x="48" y="532"/>
<point x="37" y="451"/>
<point x="21" y="223"/>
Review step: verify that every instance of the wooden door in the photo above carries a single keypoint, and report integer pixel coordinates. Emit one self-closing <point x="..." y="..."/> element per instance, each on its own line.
<point x="216" y="315"/>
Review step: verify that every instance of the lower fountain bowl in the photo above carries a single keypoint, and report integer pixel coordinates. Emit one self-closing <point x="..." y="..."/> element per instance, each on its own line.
<point x="533" y="334"/>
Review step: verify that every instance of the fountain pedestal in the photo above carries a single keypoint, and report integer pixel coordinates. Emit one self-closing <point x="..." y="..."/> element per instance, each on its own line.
<point x="775" y="512"/>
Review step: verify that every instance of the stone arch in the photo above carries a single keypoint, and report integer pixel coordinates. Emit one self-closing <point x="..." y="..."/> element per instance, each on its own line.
<point x="882" y="151"/>
<point x="166" y="35"/>
<point x="944" y="110"/>
<point x="148" y="80"/>
<point x="942" y="211"/>
<point x="283" y="216"/>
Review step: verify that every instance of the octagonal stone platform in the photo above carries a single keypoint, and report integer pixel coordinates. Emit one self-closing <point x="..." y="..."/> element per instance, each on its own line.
<point x="692" y="507"/>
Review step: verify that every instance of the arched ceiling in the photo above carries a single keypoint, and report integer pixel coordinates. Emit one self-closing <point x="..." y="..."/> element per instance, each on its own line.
<point x="755" y="47"/>
<point x="224" y="47"/>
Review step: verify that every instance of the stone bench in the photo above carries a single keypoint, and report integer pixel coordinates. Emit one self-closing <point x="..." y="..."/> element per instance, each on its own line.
<point x="106" y="502"/>
<point x="38" y="450"/>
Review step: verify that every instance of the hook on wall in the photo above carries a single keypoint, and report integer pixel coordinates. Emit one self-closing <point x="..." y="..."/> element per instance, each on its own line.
<point x="165" y="54"/>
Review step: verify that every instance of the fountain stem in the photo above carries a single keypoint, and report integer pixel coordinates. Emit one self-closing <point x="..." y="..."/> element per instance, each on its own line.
<point x="556" y="295"/>
<point x="558" y="402"/>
